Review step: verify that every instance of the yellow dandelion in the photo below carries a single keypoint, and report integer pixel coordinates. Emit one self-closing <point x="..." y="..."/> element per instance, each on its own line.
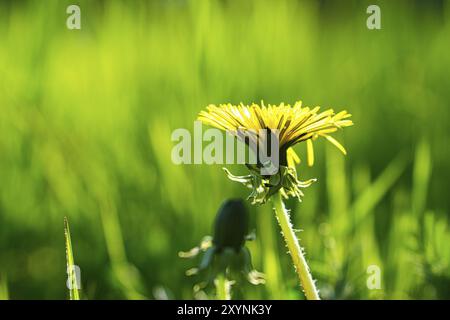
<point x="293" y="123"/>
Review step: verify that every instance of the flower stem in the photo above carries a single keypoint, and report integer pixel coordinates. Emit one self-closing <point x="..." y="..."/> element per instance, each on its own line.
<point x="223" y="288"/>
<point x="295" y="250"/>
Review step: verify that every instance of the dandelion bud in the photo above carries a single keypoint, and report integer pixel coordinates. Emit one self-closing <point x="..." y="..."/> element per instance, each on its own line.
<point x="231" y="225"/>
<point x="225" y="255"/>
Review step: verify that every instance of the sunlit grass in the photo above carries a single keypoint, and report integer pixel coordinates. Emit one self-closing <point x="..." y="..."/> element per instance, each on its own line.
<point x="72" y="277"/>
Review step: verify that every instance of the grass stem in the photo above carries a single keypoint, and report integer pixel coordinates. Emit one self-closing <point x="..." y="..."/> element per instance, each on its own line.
<point x="72" y="276"/>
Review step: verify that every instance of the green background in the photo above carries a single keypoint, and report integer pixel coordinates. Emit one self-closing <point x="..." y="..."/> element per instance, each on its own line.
<point x="86" y="118"/>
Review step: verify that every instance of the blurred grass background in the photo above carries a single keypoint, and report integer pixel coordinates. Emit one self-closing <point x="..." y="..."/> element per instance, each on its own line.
<point x="86" y="118"/>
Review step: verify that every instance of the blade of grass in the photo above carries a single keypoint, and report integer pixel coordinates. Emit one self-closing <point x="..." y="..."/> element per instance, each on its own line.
<point x="72" y="277"/>
<point x="367" y="201"/>
<point x="127" y="275"/>
<point x="4" y="288"/>
<point x="421" y="177"/>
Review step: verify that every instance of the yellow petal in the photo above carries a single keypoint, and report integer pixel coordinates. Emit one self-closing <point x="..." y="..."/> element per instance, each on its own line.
<point x="310" y="152"/>
<point x="292" y="158"/>
<point x="336" y="143"/>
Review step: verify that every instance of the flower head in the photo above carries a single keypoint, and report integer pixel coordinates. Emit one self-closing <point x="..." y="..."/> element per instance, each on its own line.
<point x="292" y="124"/>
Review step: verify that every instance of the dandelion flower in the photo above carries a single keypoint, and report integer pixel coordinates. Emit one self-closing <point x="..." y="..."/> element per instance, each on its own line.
<point x="293" y="124"/>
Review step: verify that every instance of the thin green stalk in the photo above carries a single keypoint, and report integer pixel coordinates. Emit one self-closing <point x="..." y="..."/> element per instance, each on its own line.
<point x="223" y="288"/>
<point x="295" y="250"/>
<point x="3" y="288"/>
<point x="73" y="281"/>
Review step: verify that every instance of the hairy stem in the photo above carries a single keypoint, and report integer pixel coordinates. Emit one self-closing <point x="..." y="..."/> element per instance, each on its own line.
<point x="295" y="250"/>
<point x="223" y="288"/>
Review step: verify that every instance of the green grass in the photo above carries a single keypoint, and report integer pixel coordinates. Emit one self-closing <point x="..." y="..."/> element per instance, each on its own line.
<point x="4" y="295"/>
<point x="72" y="280"/>
<point x="86" y="118"/>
